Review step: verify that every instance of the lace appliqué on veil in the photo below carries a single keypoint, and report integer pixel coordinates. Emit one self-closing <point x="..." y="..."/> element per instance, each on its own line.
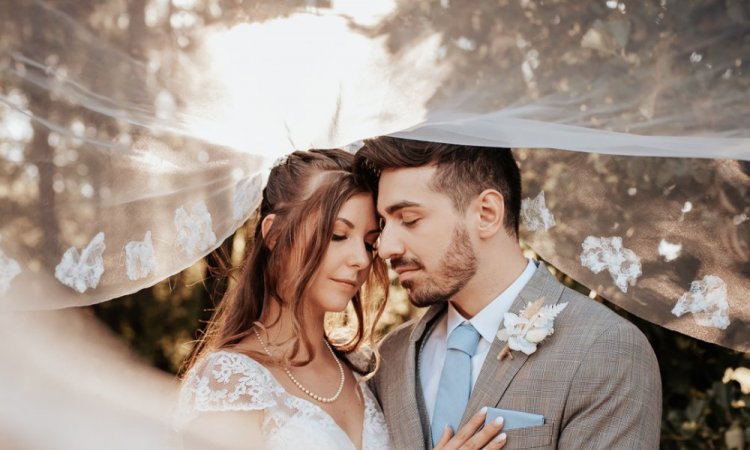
<point x="707" y="300"/>
<point x="535" y="215"/>
<point x="601" y="253"/>
<point x="83" y="271"/>
<point x="228" y="381"/>
<point x="194" y="229"/>
<point x="139" y="258"/>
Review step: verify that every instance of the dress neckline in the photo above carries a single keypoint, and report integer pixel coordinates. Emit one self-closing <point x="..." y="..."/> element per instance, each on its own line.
<point x="317" y="408"/>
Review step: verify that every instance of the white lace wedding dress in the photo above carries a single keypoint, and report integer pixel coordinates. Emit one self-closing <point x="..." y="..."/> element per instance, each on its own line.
<point x="229" y="381"/>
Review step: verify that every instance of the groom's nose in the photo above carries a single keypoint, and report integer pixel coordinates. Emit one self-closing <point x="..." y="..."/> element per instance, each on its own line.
<point x="390" y="244"/>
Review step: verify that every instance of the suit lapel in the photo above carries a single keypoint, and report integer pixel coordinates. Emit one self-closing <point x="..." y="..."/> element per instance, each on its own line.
<point x="496" y="376"/>
<point x="415" y="419"/>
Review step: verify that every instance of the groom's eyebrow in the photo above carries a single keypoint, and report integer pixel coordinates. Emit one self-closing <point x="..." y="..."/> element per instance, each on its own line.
<point x="400" y="205"/>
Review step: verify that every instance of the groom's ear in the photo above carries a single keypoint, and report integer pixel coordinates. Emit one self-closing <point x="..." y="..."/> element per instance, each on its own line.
<point x="491" y="210"/>
<point x="265" y="228"/>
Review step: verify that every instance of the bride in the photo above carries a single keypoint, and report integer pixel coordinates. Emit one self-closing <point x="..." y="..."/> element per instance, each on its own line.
<point x="266" y="374"/>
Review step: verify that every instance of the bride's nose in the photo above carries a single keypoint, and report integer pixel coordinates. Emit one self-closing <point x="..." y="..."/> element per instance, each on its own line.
<point x="359" y="256"/>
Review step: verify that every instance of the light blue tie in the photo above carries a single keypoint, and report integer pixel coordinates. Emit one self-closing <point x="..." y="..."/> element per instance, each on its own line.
<point x="455" y="380"/>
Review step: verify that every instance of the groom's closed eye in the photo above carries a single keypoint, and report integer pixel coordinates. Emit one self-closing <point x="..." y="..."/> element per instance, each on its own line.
<point x="409" y="220"/>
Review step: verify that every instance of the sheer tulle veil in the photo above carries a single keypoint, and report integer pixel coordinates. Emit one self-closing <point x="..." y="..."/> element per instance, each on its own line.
<point x="135" y="136"/>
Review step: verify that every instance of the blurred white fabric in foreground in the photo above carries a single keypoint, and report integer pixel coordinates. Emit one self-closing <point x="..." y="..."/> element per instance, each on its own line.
<point x="68" y="383"/>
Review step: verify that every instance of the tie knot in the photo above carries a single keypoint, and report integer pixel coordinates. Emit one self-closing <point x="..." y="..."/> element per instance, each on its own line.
<point x="464" y="338"/>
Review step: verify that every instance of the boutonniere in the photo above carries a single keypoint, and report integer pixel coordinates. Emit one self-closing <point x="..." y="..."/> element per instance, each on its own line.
<point x="523" y="332"/>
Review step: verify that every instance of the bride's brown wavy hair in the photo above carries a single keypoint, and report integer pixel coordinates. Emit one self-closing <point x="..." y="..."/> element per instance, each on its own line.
<point x="305" y="193"/>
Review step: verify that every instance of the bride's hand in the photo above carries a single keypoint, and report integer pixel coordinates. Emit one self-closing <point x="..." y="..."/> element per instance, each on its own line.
<point x="469" y="438"/>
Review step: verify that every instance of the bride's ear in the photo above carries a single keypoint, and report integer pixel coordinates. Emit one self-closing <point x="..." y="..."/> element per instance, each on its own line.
<point x="265" y="227"/>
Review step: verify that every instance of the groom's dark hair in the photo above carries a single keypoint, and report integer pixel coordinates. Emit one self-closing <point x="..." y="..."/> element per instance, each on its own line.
<point x="463" y="171"/>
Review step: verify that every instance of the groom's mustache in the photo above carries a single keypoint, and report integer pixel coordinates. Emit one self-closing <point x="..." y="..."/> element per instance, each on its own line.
<point x="406" y="264"/>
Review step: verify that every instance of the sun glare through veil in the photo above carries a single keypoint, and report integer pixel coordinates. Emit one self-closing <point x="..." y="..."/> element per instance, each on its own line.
<point x="312" y="79"/>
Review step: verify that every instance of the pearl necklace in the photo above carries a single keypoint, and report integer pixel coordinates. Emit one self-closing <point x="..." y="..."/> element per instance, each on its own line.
<point x="299" y="385"/>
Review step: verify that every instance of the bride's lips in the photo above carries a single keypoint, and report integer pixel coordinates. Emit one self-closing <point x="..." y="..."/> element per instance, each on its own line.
<point x="352" y="283"/>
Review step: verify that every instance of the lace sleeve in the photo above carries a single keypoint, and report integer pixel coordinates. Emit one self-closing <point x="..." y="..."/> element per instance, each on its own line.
<point x="225" y="381"/>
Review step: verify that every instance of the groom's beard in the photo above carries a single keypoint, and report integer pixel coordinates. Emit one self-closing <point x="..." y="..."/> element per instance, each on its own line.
<point x="457" y="266"/>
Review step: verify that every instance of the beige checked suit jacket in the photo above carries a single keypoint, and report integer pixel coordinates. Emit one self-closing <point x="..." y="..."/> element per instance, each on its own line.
<point x="595" y="380"/>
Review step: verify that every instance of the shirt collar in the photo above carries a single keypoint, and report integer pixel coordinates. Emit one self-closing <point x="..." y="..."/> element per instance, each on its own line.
<point x="488" y="320"/>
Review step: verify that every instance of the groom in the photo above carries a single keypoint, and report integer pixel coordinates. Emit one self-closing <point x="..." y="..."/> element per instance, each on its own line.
<point x="449" y="217"/>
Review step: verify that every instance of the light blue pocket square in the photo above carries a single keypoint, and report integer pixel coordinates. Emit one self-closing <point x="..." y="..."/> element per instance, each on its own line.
<point x="514" y="419"/>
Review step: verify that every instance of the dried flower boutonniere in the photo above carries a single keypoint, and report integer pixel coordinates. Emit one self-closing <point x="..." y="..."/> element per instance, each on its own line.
<point x="524" y="331"/>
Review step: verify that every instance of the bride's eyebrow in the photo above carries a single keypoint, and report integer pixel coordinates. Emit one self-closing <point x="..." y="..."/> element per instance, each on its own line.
<point x="347" y="222"/>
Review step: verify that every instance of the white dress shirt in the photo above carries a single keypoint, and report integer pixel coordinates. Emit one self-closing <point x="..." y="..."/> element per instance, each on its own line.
<point x="486" y="322"/>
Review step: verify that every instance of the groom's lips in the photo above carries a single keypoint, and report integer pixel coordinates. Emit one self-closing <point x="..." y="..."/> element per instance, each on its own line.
<point x="402" y="270"/>
<point x="403" y="266"/>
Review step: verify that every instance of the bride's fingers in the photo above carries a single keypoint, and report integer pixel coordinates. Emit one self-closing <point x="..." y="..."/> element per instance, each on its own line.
<point x="467" y="431"/>
<point x="468" y="437"/>
<point x="497" y="443"/>
<point x="488" y="437"/>
<point x="447" y="435"/>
